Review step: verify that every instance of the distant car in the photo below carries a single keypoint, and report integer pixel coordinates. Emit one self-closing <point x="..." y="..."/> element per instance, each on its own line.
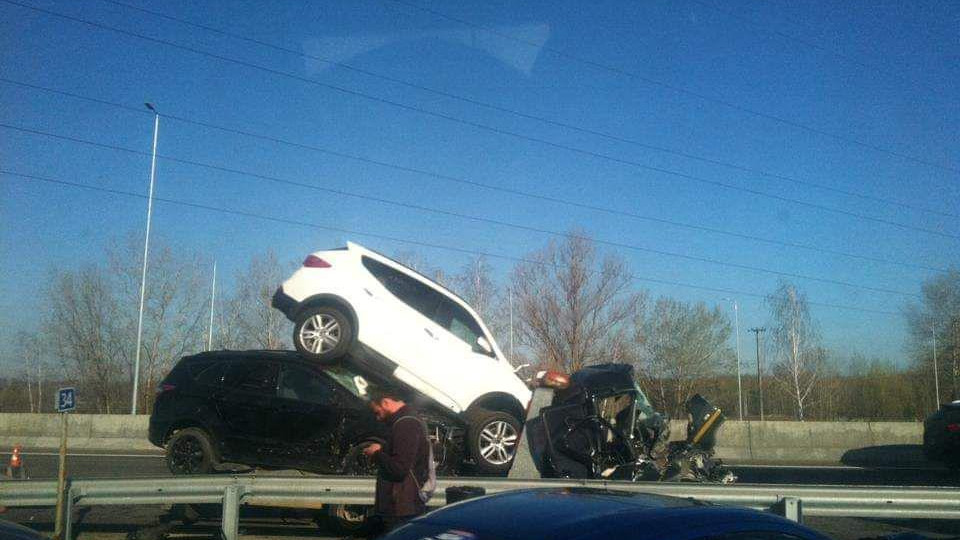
<point x="389" y="321"/>
<point x="590" y="514"/>
<point x="259" y="408"/>
<point x="941" y="435"/>
<point x="12" y="531"/>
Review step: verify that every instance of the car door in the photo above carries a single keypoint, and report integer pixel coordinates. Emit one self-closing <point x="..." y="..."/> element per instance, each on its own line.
<point x="311" y="417"/>
<point x="245" y="404"/>
<point x="407" y="308"/>
<point x="458" y="361"/>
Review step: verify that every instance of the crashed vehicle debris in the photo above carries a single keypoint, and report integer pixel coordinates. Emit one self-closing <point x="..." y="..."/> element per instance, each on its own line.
<point x="358" y="308"/>
<point x="600" y="425"/>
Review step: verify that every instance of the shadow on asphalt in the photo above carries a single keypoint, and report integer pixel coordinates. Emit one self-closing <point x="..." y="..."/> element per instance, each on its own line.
<point x="890" y="455"/>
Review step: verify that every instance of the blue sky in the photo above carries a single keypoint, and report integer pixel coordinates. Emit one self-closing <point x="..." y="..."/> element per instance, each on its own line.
<point x="874" y="84"/>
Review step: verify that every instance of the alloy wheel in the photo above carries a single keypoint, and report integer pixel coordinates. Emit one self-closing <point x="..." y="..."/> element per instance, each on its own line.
<point x="498" y="441"/>
<point x="320" y="333"/>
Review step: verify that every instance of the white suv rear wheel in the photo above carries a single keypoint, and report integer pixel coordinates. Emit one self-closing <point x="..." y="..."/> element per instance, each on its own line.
<point x="323" y="333"/>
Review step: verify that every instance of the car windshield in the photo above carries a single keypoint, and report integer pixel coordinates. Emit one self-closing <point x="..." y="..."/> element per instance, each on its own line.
<point x="348" y="379"/>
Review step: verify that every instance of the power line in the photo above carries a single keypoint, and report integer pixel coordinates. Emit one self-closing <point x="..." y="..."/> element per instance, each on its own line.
<point x="411" y="206"/>
<point x="528" y="116"/>
<point x="472" y="252"/>
<point x="472" y="183"/>
<point x="492" y="129"/>
<point x="883" y="70"/>
<point x="680" y="89"/>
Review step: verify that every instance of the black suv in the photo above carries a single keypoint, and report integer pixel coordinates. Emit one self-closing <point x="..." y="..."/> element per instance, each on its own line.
<point x="261" y="408"/>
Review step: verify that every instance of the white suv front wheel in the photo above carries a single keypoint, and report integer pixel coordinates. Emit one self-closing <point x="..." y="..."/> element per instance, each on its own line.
<point x="322" y="333"/>
<point x="493" y="437"/>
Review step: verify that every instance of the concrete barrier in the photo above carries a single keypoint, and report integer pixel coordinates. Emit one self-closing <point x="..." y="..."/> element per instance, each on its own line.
<point x="806" y="442"/>
<point x="757" y="442"/>
<point x="85" y="432"/>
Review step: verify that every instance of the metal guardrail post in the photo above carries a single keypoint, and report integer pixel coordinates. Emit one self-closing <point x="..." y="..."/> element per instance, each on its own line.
<point x="790" y="508"/>
<point x="62" y="511"/>
<point x="230" y="525"/>
<point x="68" y="511"/>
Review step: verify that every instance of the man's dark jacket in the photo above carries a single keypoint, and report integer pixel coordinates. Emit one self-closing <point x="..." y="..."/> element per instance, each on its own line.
<point x="406" y="451"/>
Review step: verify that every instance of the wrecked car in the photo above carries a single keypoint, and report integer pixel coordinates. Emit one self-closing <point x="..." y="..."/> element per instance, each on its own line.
<point x="601" y="425"/>
<point x="276" y="410"/>
<point x="355" y="307"/>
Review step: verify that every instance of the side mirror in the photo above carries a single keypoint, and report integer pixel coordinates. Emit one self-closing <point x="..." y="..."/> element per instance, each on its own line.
<point x="484" y="345"/>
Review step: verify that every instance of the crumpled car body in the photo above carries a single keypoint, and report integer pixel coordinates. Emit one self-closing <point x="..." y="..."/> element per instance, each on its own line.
<point x="603" y="426"/>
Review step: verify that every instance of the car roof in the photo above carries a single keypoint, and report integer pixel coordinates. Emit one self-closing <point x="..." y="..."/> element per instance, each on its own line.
<point x="229" y="354"/>
<point x="433" y="283"/>
<point x="578" y="513"/>
<point x="337" y="374"/>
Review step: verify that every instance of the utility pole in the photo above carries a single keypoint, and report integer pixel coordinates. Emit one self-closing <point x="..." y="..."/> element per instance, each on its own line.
<point x="213" y="295"/>
<point x="936" y="371"/>
<point x="510" y="292"/>
<point x="759" y="331"/>
<point x="736" y="313"/>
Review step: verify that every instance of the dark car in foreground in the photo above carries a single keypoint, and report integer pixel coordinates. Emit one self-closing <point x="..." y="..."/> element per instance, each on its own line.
<point x="12" y="531"/>
<point x="260" y="408"/>
<point x="588" y="514"/>
<point x="941" y="435"/>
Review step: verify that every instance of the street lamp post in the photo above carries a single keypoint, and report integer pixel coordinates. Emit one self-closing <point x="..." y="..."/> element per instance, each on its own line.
<point x="736" y="314"/>
<point x="936" y="374"/>
<point x="759" y="331"/>
<point x="146" y="250"/>
<point x="213" y="295"/>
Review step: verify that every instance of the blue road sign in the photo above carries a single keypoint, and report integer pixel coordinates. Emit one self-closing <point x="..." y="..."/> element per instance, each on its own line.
<point x="66" y="399"/>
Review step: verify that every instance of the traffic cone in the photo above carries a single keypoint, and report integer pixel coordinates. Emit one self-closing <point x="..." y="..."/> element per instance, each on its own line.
<point x="16" y="469"/>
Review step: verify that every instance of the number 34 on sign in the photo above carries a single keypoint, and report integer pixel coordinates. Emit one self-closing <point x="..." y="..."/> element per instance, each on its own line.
<point x="66" y="399"/>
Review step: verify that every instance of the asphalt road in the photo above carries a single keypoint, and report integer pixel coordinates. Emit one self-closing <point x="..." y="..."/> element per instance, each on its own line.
<point x="41" y="465"/>
<point x="116" y="522"/>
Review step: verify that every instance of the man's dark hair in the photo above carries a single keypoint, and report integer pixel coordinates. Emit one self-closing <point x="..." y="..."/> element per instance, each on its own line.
<point x="376" y="394"/>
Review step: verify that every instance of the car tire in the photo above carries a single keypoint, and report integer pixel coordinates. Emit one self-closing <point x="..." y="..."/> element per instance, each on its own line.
<point x="492" y="440"/>
<point x="323" y="334"/>
<point x="353" y="519"/>
<point x="191" y="451"/>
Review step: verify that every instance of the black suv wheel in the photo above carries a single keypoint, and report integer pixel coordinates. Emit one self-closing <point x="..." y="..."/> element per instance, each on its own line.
<point x="191" y="451"/>
<point x="353" y="519"/>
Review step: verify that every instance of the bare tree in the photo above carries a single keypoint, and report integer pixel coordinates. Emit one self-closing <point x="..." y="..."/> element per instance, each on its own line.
<point x="32" y="351"/>
<point x="173" y="312"/>
<point x="250" y="321"/>
<point x="572" y="315"/>
<point x="81" y="324"/>
<point x="416" y="262"/>
<point x="680" y="345"/>
<point x="795" y="342"/>
<point x="475" y="285"/>
<point x="937" y="318"/>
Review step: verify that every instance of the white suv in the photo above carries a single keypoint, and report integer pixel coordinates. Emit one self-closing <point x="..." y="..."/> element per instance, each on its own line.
<point x="386" y="319"/>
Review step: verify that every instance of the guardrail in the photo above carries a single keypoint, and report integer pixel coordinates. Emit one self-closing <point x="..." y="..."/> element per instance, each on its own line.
<point x="232" y="491"/>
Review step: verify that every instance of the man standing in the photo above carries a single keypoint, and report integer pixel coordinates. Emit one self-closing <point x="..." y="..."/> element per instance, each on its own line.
<point x="402" y="464"/>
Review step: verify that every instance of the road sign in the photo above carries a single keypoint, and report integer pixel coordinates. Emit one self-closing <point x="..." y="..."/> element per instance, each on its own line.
<point x="66" y="399"/>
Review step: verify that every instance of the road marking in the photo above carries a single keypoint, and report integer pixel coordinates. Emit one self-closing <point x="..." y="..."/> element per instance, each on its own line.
<point x="94" y="455"/>
<point x="833" y="467"/>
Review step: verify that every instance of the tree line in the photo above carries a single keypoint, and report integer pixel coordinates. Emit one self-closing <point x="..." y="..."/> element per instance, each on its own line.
<point x="564" y="306"/>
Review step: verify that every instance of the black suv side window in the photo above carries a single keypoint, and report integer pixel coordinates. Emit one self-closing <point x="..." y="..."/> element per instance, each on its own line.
<point x="303" y="385"/>
<point x="410" y="291"/>
<point x="251" y="376"/>
<point x="211" y="374"/>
